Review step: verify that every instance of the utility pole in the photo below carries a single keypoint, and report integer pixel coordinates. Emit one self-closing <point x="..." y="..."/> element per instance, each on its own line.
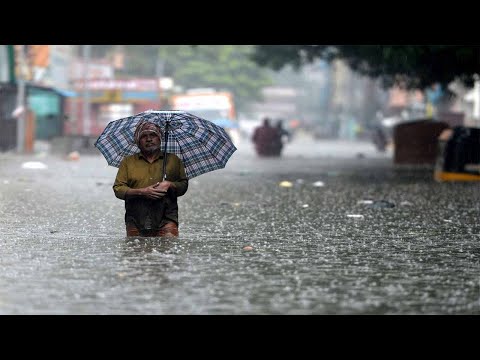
<point x="74" y="110"/>
<point x="21" y="108"/>
<point x="86" y="91"/>
<point x="159" y="70"/>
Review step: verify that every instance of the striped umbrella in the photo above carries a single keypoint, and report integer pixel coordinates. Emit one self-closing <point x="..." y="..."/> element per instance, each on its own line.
<point x="200" y="144"/>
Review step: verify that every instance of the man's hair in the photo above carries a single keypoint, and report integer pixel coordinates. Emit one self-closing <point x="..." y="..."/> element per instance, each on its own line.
<point x="145" y="126"/>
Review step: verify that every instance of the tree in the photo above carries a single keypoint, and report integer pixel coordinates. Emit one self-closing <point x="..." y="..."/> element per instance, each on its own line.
<point x="223" y="67"/>
<point x="226" y="67"/>
<point x="411" y="66"/>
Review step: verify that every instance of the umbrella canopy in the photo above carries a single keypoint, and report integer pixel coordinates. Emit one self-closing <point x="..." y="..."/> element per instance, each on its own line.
<point x="200" y="144"/>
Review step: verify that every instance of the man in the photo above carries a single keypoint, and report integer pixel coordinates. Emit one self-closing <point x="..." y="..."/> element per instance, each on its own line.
<point x="151" y="207"/>
<point x="266" y="139"/>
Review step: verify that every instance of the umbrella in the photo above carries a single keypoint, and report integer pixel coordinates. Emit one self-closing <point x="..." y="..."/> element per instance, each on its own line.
<point x="200" y="144"/>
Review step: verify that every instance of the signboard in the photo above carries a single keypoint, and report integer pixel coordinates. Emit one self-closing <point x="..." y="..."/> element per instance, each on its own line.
<point x="95" y="70"/>
<point x="118" y="84"/>
<point x="192" y="102"/>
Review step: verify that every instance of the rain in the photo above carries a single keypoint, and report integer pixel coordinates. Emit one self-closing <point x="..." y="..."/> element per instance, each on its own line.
<point x="335" y="225"/>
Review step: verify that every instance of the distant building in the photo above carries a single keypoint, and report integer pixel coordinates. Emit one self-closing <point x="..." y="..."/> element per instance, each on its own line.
<point x="278" y="102"/>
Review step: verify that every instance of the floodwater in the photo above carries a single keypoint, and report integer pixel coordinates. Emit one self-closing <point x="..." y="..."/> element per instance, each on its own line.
<point x="352" y="235"/>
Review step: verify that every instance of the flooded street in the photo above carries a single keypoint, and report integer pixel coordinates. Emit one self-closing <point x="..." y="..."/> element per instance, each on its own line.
<point x="353" y="234"/>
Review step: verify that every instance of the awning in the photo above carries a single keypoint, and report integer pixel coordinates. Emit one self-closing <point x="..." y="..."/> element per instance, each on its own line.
<point x="66" y="93"/>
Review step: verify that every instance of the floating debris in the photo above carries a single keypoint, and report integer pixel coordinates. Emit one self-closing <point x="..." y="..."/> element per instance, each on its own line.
<point x="73" y="156"/>
<point x="285" y="184"/>
<point x="247" y="248"/>
<point x="365" y="202"/>
<point x="318" y="183"/>
<point x="99" y="183"/>
<point x="34" y="165"/>
<point x="381" y="204"/>
<point x="378" y="204"/>
<point x="355" y="216"/>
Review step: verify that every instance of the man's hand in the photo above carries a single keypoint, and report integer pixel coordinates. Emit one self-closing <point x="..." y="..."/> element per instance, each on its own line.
<point x="164" y="185"/>
<point x="155" y="191"/>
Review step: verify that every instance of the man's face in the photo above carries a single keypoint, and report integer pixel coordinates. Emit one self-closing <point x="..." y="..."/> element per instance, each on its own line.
<point x="149" y="142"/>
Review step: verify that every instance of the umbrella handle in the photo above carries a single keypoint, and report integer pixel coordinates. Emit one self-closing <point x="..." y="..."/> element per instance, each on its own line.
<point x="164" y="177"/>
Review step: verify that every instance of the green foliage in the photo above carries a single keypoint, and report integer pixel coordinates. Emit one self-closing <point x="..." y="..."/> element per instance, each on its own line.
<point x="413" y="66"/>
<point x="223" y="67"/>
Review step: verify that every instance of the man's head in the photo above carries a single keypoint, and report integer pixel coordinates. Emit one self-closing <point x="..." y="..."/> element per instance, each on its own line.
<point x="148" y="137"/>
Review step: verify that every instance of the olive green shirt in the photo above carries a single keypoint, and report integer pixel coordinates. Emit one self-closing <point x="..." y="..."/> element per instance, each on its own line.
<point x="135" y="172"/>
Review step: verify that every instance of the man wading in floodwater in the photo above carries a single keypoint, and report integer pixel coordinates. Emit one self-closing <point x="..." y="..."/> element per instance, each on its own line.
<point x="151" y="207"/>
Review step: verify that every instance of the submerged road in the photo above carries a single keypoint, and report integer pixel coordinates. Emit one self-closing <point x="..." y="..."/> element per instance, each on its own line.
<point x="353" y="234"/>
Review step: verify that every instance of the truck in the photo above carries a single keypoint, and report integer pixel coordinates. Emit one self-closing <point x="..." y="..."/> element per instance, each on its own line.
<point x="209" y="104"/>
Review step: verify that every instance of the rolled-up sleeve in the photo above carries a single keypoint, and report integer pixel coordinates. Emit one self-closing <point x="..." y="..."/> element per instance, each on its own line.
<point x="181" y="183"/>
<point x="120" y="186"/>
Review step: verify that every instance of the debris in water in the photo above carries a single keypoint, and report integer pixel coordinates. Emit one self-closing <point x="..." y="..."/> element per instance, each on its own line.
<point x="356" y="216"/>
<point x="74" y="155"/>
<point x="381" y="204"/>
<point x="34" y="165"/>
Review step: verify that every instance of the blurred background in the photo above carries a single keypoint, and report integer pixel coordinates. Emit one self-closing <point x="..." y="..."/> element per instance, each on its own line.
<point x="64" y="95"/>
